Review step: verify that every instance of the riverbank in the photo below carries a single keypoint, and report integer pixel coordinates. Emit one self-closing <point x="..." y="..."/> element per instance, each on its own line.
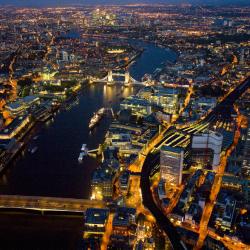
<point x="54" y="169"/>
<point x="133" y="59"/>
<point x="66" y="104"/>
<point x="10" y="155"/>
<point x="24" y="139"/>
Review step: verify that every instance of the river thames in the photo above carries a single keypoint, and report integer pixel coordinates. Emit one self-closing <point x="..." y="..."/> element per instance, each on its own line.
<point x="54" y="169"/>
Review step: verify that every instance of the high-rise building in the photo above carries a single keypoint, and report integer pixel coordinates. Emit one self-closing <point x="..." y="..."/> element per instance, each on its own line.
<point x="137" y="105"/>
<point x="206" y="148"/>
<point x="95" y="221"/>
<point x="65" y="56"/>
<point x="102" y="183"/>
<point x="168" y="98"/>
<point x="171" y="164"/>
<point x="242" y="56"/>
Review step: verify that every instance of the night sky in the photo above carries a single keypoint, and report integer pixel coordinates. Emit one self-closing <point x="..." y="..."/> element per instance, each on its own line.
<point x="62" y="2"/>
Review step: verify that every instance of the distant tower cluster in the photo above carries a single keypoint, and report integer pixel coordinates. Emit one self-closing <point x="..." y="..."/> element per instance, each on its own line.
<point x="242" y="56"/>
<point x="67" y="57"/>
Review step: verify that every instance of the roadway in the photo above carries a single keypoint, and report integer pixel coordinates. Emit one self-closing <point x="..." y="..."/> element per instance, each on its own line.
<point x="108" y="232"/>
<point x="148" y="201"/>
<point x="220" y="114"/>
<point x="223" y="109"/>
<point x="229" y="242"/>
<point x="10" y="202"/>
<point x="207" y="212"/>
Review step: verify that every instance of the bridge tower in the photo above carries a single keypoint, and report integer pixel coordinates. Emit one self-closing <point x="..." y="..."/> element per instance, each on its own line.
<point x="127" y="78"/>
<point x="110" y="76"/>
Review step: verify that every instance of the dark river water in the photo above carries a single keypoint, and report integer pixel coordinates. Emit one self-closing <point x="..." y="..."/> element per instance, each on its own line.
<point x="54" y="169"/>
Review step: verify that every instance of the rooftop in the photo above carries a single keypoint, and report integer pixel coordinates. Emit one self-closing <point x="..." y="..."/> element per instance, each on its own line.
<point x="172" y="149"/>
<point x="96" y="216"/>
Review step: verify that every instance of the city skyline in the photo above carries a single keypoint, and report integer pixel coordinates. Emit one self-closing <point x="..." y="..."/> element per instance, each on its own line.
<point x="33" y="3"/>
<point x="124" y="126"/>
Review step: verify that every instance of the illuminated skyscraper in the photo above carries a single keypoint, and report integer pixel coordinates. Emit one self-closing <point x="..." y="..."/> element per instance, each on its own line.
<point x="171" y="164"/>
<point x="206" y="148"/>
<point x="65" y="56"/>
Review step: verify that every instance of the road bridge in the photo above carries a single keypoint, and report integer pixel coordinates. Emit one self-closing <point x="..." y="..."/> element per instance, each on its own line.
<point x="128" y="79"/>
<point x="49" y="204"/>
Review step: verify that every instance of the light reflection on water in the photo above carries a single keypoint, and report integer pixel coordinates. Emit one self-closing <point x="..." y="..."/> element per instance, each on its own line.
<point x="54" y="170"/>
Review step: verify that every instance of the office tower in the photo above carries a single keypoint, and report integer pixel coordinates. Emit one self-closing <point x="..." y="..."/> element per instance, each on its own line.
<point x="171" y="164"/>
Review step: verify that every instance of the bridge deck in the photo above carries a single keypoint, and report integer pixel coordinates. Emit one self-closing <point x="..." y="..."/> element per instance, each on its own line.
<point x="47" y="203"/>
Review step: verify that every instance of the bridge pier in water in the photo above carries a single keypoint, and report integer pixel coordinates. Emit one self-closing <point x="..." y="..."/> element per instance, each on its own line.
<point x="110" y="76"/>
<point x="128" y="80"/>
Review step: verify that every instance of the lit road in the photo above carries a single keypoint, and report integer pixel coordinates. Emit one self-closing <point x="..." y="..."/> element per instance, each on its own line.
<point x="108" y="232"/>
<point x="47" y="203"/>
<point x="173" y="202"/>
<point x="223" y="109"/>
<point x="12" y="81"/>
<point x="229" y="242"/>
<point x="138" y="163"/>
<point x="216" y="189"/>
<point x="136" y="166"/>
<point x="187" y="100"/>
<point x="134" y="199"/>
<point x="48" y="49"/>
<point x="148" y="201"/>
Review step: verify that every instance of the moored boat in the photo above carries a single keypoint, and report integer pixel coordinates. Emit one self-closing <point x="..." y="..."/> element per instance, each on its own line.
<point x="80" y="158"/>
<point x="84" y="149"/>
<point x="96" y="118"/>
<point x="33" y="150"/>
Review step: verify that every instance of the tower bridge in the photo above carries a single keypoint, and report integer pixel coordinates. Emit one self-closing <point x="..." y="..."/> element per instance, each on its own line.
<point x="128" y="79"/>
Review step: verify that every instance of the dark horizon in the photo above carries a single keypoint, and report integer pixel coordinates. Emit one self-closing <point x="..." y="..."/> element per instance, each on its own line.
<point x="33" y="3"/>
